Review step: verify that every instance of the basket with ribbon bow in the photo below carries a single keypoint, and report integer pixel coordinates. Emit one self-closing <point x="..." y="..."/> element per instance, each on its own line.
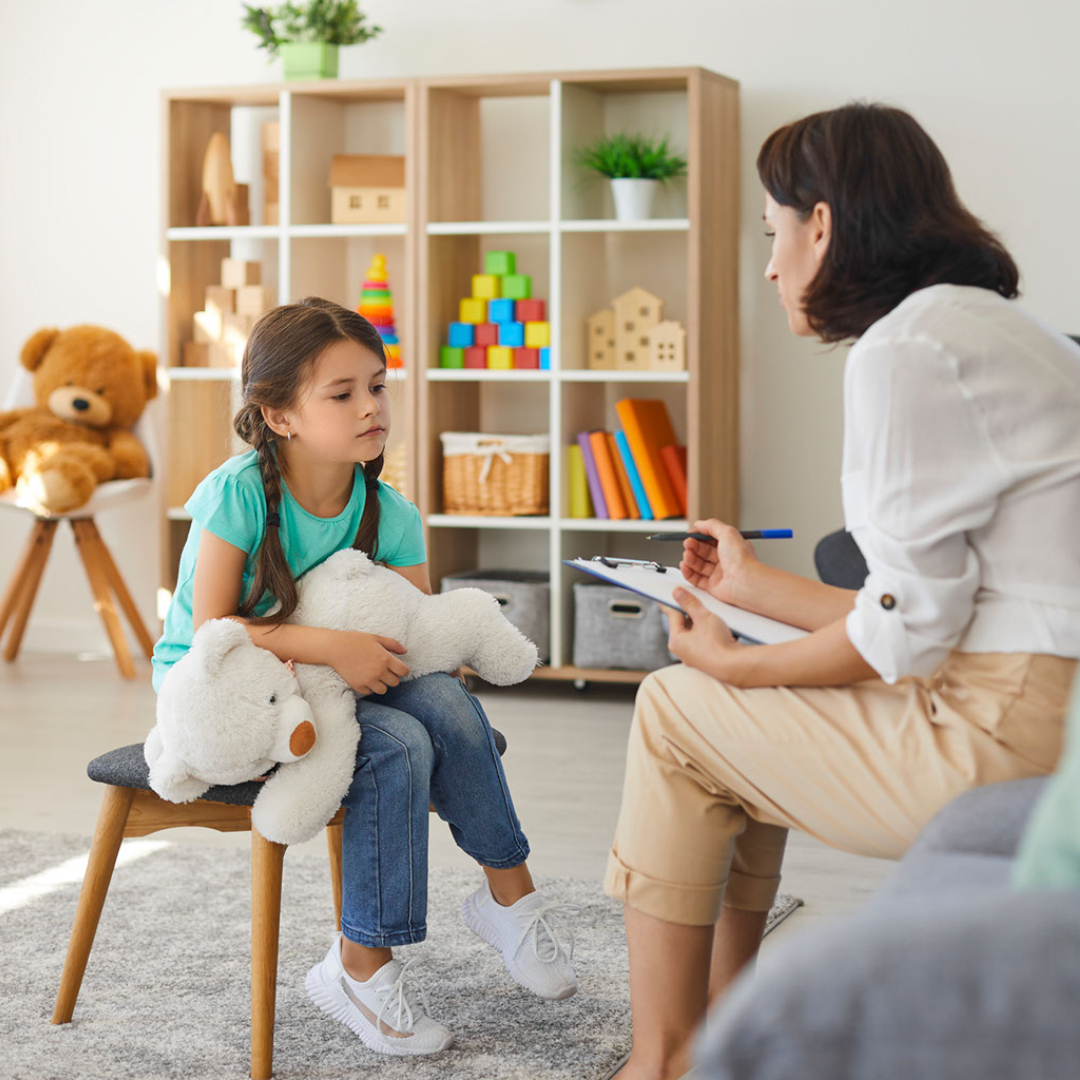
<point x="496" y="475"/>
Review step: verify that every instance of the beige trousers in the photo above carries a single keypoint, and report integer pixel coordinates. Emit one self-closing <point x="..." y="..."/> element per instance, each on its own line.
<point x="715" y="775"/>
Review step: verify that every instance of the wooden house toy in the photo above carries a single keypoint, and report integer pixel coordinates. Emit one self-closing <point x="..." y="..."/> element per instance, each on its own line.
<point x="367" y="189"/>
<point x="601" y="345"/>
<point x="667" y="346"/>
<point x="637" y="311"/>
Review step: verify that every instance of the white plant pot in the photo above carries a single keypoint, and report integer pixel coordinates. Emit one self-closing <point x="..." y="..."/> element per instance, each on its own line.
<point x="633" y="198"/>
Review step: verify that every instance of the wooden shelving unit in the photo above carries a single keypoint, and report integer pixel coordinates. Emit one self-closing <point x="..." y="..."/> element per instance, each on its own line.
<point x="489" y="166"/>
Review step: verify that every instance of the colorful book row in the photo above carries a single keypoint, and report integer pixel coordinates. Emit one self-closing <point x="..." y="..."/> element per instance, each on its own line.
<point x="637" y="473"/>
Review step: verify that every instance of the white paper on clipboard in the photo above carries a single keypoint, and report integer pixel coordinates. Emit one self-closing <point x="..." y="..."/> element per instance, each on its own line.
<point x="653" y="585"/>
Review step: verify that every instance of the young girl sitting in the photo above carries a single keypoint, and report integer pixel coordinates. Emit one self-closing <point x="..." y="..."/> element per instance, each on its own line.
<point x="316" y="413"/>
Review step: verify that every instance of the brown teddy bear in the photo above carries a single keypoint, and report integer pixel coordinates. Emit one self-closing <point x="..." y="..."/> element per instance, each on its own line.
<point x="90" y="386"/>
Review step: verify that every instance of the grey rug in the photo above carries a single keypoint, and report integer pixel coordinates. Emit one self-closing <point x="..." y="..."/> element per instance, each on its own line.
<point x="166" y="992"/>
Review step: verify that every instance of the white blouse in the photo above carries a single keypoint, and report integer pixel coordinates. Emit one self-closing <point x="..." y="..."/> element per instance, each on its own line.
<point x="961" y="482"/>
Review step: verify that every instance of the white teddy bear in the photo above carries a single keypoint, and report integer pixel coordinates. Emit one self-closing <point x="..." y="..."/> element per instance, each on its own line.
<point x="228" y="710"/>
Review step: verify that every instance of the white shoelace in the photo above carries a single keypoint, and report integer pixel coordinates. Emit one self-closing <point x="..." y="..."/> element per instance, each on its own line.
<point x="395" y="993"/>
<point x="535" y="921"/>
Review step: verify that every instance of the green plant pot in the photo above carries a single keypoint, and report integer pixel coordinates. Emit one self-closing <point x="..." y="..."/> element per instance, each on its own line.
<point x="310" y="60"/>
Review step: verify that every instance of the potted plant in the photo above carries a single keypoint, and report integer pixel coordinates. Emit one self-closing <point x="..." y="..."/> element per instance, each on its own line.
<point x="308" y="35"/>
<point x="636" y="165"/>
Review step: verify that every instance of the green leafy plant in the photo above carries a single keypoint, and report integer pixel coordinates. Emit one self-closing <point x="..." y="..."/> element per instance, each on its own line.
<point x="334" y="22"/>
<point x="632" y="156"/>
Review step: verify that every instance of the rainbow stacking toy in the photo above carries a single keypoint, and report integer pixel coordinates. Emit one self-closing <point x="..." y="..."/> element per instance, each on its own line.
<point x="377" y="306"/>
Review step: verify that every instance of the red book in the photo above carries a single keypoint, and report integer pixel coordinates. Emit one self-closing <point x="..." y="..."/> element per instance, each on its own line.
<point x="674" y="458"/>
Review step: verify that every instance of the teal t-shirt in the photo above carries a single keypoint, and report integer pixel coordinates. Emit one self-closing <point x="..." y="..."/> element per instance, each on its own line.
<point x="231" y="503"/>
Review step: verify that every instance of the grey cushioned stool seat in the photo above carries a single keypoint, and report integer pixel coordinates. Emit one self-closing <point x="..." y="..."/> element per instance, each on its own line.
<point x="126" y="767"/>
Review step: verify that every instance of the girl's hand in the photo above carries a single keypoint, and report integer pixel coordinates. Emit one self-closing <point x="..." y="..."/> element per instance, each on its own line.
<point x="707" y="644"/>
<point x="722" y="569"/>
<point x="367" y="662"/>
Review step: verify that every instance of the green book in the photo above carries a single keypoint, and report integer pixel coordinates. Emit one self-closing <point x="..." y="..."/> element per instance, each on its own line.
<point x="577" y="484"/>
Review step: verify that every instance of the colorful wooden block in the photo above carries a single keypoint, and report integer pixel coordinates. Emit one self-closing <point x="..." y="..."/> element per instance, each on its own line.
<point x="461" y="335"/>
<point x="537" y="334"/>
<point x="476" y="356"/>
<point x="473" y="310"/>
<point x="500" y="311"/>
<point x="500" y="357"/>
<point x="500" y="262"/>
<point x="526" y="358"/>
<point x="486" y="334"/>
<point x="485" y="286"/>
<point x="512" y="334"/>
<point x="517" y="286"/>
<point x="530" y="311"/>
<point x="450" y="356"/>
<point x="545" y="359"/>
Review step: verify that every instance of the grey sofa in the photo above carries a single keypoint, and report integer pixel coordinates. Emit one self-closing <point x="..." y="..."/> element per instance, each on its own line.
<point x="946" y="974"/>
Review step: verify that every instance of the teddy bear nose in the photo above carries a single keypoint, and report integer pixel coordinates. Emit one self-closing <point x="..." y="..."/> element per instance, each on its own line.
<point x="302" y="739"/>
<point x="81" y="404"/>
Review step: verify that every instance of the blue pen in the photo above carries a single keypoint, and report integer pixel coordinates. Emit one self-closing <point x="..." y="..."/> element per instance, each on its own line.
<point x="747" y="534"/>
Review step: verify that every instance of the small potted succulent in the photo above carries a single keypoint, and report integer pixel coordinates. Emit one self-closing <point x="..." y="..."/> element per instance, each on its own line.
<point x="636" y="165"/>
<point x="308" y="35"/>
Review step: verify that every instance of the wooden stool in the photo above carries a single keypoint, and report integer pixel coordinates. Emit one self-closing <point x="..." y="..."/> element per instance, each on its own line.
<point x="105" y="583"/>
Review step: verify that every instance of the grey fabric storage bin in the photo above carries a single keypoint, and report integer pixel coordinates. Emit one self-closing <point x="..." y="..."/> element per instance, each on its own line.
<point x="615" y="628"/>
<point x="525" y="597"/>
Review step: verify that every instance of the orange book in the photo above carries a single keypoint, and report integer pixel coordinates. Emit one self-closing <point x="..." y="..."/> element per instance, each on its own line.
<point x="674" y="458"/>
<point x="648" y="428"/>
<point x="605" y="469"/>
<point x="624" y="480"/>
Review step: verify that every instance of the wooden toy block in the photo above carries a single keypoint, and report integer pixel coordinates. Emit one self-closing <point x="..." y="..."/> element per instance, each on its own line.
<point x="526" y="358"/>
<point x="236" y="329"/>
<point x="450" y="356"/>
<point x="476" y="356"/>
<point x="209" y="326"/>
<point x="221" y="355"/>
<point x="237" y="272"/>
<point x="500" y="358"/>
<point x="637" y="311"/>
<point x="601" y="340"/>
<point x="517" y="286"/>
<point x="667" y="347"/>
<point x="485" y="286"/>
<point x="486" y="334"/>
<point x="500" y="262"/>
<point x="545" y="359"/>
<point x="196" y="354"/>
<point x="462" y="335"/>
<point x="537" y="335"/>
<point x="220" y="299"/>
<point x="472" y="310"/>
<point x="512" y="334"/>
<point x="500" y="311"/>
<point x="527" y="311"/>
<point x="253" y="300"/>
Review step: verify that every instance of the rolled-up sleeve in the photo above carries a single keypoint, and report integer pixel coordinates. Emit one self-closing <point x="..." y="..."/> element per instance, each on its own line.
<point x="920" y="474"/>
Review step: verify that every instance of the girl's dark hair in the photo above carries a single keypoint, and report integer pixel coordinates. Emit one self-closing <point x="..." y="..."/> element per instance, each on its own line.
<point x="279" y="358"/>
<point x="897" y="222"/>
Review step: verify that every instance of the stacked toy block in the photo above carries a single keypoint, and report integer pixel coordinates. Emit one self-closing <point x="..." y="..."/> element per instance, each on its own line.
<point x="230" y="310"/>
<point x="377" y="306"/>
<point x="500" y="326"/>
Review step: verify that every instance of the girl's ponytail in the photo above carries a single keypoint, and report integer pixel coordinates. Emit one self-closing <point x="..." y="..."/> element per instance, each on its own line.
<point x="367" y="536"/>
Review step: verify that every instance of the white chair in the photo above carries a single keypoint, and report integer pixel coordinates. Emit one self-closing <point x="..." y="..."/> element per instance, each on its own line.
<point x="106" y="584"/>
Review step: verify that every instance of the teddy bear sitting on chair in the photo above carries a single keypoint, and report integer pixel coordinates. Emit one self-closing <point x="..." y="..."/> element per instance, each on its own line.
<point x="229" y="711"/>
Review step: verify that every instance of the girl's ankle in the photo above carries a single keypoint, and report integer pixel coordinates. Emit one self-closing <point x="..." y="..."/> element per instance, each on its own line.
<point x="361" y="962"/>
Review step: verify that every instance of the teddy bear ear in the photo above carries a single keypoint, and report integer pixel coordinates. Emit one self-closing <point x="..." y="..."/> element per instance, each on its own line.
<point x="148" y="361"/>
<point x="33" y="352"/>
<point x="214" y="640"/>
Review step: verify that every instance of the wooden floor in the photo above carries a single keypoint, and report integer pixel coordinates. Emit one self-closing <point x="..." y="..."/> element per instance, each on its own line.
<point x="564" y="764"/>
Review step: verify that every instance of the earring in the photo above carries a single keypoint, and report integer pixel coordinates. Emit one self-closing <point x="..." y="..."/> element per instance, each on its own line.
<point x="288" y="435"/>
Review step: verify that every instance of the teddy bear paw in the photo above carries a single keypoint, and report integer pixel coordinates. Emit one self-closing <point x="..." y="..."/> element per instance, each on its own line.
<point x="53" y="491"/>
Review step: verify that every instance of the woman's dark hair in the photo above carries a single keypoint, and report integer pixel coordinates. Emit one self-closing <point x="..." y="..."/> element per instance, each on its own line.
<point x="278" y="360"/>
<point x="897" y="222"/>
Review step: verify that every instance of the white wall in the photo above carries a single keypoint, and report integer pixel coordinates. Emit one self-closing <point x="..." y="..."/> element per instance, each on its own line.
<point x="996" y="84"/>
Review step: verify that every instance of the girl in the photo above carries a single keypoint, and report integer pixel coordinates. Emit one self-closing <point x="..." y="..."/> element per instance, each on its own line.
<point x="950" y="667"/>
<point x="316" y="414"/>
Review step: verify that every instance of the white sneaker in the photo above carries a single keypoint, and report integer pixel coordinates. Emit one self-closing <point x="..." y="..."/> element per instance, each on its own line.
<point x="526" y="935"/>
<point x="385" y="1003"/>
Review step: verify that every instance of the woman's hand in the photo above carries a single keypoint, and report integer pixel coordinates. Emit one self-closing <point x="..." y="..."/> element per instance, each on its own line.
<point x="723" y="569"/>
<point x="707" y="644"/>
<point x="367" y="662"/>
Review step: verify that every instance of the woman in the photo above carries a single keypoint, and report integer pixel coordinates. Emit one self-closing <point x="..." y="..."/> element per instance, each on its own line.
<point x="949" y="668"/>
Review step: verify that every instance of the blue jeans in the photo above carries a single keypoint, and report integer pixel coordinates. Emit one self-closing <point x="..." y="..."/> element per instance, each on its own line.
<point x="425" y="741"/>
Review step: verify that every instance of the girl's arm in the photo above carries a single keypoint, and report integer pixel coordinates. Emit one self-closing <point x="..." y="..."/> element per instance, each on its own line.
<point x="416" y="575"/>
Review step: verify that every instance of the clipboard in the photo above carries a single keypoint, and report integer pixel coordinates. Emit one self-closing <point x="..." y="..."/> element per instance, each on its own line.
<point x="657" y="582"/>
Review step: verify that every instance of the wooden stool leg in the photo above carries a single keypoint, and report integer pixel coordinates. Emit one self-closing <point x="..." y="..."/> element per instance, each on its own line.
<point x="23" y="599"/>
<point x="266" y="868"/>
<point x="103" y="600"/>
<point x="333" y="843"/>
<point x="103" y="851"/>
<point x="121" y="590"/>
<point x="15" y="584"/>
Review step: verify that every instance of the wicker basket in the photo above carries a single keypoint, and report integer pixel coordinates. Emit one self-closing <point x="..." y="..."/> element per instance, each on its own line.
<point x="499" y="475"/>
